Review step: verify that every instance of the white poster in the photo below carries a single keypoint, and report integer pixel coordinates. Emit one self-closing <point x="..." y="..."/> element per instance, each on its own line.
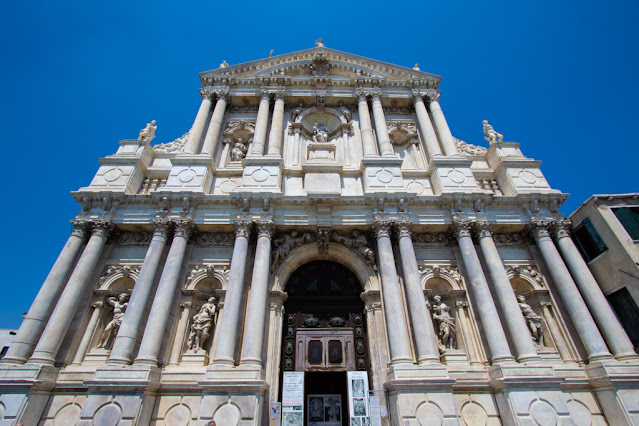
<point x="293" y="398"/>
<point x="358" y="398"/>
<point x="375" y="410"/>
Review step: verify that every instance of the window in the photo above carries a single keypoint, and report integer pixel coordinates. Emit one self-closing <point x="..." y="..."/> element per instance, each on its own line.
<point x="627" y="312"/>
<point x="588" y="240"/>
<point x="629" y="218"/>
<point x="3" y="352"/>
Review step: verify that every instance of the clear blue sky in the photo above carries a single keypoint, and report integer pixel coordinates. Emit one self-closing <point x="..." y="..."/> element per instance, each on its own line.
<point x="559" y="77"/>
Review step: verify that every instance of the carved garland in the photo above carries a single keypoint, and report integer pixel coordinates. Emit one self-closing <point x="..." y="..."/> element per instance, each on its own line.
<point x="114" y="272"/>
<point x="199" y="272"/>
<point x="448" y="273"/>
<point x="527" y="272"/>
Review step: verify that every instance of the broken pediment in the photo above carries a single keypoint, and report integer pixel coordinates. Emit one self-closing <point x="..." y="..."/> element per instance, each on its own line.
<point x="317" y="63"/>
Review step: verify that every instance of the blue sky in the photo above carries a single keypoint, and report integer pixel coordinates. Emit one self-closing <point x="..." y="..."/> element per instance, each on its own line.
<point x="558" y="77"/>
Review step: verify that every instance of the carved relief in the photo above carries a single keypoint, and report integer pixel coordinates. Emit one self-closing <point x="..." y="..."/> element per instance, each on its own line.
<point x="321" y="65"/>
<point x="432" y="238"/>
<point x="402" y="133"/>
<point x="173" y="147"/>
<point x="468" y="149"/>
<point x="131" y="238"/>
<point x="200" y="271"/>
<point x="357" y="242"/>
<point x="529" y="272"/>
<point x="125" y="271"/>
<point x="448" y="272"/>
<point x="287" y="242"/>
<point x="207" y="239"/>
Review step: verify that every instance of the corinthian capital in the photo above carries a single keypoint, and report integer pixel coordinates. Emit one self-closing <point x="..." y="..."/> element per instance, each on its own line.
<point x="222" y="92"/>
<point x="539" y="229"/>
<point x="242" y="228"/>
<point x="101" y="228"/>
<point x="280" y="93"/>
<point x="265" y="94"/>
<point x="432" y="95"/>
<point x="461" y="228"/>
<point x="79" y="228"/>
<point x="265" y="228"/>
<point x="561" y="228"/>
<point x="403" y="228"/>
<point x="382" y="228"/>
<point x="376" y="94"/>
<point x="483" y="229"/>
<point x="161" y="227"/>
<point x="418" y="95"/>
<point x="183" y="228"/>
<point x="206" y="93"/>
<point x="362" y="94"/>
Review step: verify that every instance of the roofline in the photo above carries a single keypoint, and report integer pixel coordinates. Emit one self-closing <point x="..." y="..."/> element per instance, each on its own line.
<point x="595" y="197"/>
<point x="319" y="49"/>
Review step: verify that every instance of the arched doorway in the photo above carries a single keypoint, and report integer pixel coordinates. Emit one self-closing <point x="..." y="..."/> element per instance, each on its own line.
<point x="324" y="337"/>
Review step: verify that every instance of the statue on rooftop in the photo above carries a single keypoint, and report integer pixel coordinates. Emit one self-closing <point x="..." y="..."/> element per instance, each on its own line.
<point x="492" y="136"/>
<point x="148" y="133"/>
<point x="319" y="43"/>
<point x="224" y="64"/>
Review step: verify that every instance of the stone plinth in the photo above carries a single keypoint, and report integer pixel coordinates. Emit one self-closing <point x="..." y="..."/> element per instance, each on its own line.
<point x="452" y="175"/>
<point x="322" y="174"/>
<point x="262" y="173"/>
<point x="193" y="173"/>
<point x="382" y="174"/>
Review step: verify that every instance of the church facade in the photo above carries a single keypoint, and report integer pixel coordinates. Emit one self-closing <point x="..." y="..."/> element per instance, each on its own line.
<point x="319" y="249"/>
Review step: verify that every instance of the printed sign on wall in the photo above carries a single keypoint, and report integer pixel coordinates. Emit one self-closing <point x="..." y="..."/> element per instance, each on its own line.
<point x="293" y="398"/>
<point x="358" y="398"/>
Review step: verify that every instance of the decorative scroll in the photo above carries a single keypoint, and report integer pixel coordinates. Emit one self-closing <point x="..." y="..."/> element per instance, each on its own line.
<point x="468" y="149"/>
<point x="508" y="239"/>
<point x="130" y="238"/>
<point x="442" y="271"/>
<point x="175" y="146"/>
<point x="432" y="238"/>
<point x="126" y="272"/>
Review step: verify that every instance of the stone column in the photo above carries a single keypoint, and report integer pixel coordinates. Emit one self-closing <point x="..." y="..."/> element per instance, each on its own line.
<point x="258" y="301"/>
<point x="577" y="309"/>
<point x="89" y="331"/>
<point x="230" y="317"/>
<point x="128" y="331"/>
<point x="156" y="324"/>
<point x="421" y="321"/>
<point x="493" y="330"/>
<point x="368" y="140"/>
<point x="603" y="314"/>
<point x="383" y="139"/>
<point x="183" y="323"/>
<point x="60" y="320"/>
<point x="45" y="301"/>
<point x="515" y="322"/>
<point x="430" y="137"/>
<point x="446" y="138"/>
<point x="277" y="123"/>
<point x="396" y="327"/>
<point x="213" y="132"/>
<point x="259" y="138"/>
<point x="193" y="144"/>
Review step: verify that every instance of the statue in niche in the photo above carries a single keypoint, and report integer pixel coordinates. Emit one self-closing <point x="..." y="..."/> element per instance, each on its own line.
<point x="532" y="320"/>
<point x="346" y="112"/>
<point x="492" y="136"/>
<point x="441" y="314"/>
<point x="357" y="242"/>
<point x="119" y="307"/>
<point x="239" y="150"/>
<point x="297" y="111"/>
<point x="320" y="132"/>
<point x="286" y="243"/>
<point x="203" y="321"/>
<point x="148" y="133"/>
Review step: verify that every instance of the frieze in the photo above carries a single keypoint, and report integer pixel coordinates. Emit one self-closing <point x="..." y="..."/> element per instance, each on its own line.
<point x="244" y="108"/>
<point x="134" y="238"/>
<point x="396" y="111"/>
<point x="441" y="238"/>
<point x="208" y="239"/>
<point x="508" y="239"/>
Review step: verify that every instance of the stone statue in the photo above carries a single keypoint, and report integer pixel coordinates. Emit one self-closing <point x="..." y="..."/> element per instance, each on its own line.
<point x="447" y="335"/>
<point x="346" y="112"/>
<point x="224" y="64"/>
<point x="532" y="320"/>
<point x="358" y="243"/>
<point x="319" y="43"/>
<point x="203" y="321"/>
<point x="320" y="132"/>
<point x="119" y="307"/>
<point x="492" y="136"/>
<point x="239" y="150"/>
<point x="286" y="243"/>
<point x="416" y="67"/>
<point x="296" y="112"/>
<point x="148" y="133"/>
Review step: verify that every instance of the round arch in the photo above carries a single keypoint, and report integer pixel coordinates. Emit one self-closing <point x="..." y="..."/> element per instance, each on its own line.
<point x="336" y="253"/>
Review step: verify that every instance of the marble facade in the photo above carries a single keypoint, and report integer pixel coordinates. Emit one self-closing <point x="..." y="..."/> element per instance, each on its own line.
<point x="477" y="307"/>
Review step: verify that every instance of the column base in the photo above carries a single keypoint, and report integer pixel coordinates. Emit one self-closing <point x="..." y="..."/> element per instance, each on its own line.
<point x="506" y="359"/>
<point x="630" y="356"/>
<point x="601" y="357"/>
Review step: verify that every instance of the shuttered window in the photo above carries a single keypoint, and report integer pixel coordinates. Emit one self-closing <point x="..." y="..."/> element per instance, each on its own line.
<point x="629" y="218"/>
<point x="588" y="240"/>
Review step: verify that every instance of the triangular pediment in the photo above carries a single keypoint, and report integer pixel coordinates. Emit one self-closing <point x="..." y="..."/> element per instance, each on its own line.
<point x="318" y="62"/>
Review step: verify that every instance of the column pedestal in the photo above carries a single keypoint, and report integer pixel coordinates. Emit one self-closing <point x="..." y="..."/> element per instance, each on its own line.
<point x="382" y="173"/>
<point x="192" y="172"/>
<point x="322" y="173"/>
<point x="262" y="174"/>
<point x="451" y="175"/>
